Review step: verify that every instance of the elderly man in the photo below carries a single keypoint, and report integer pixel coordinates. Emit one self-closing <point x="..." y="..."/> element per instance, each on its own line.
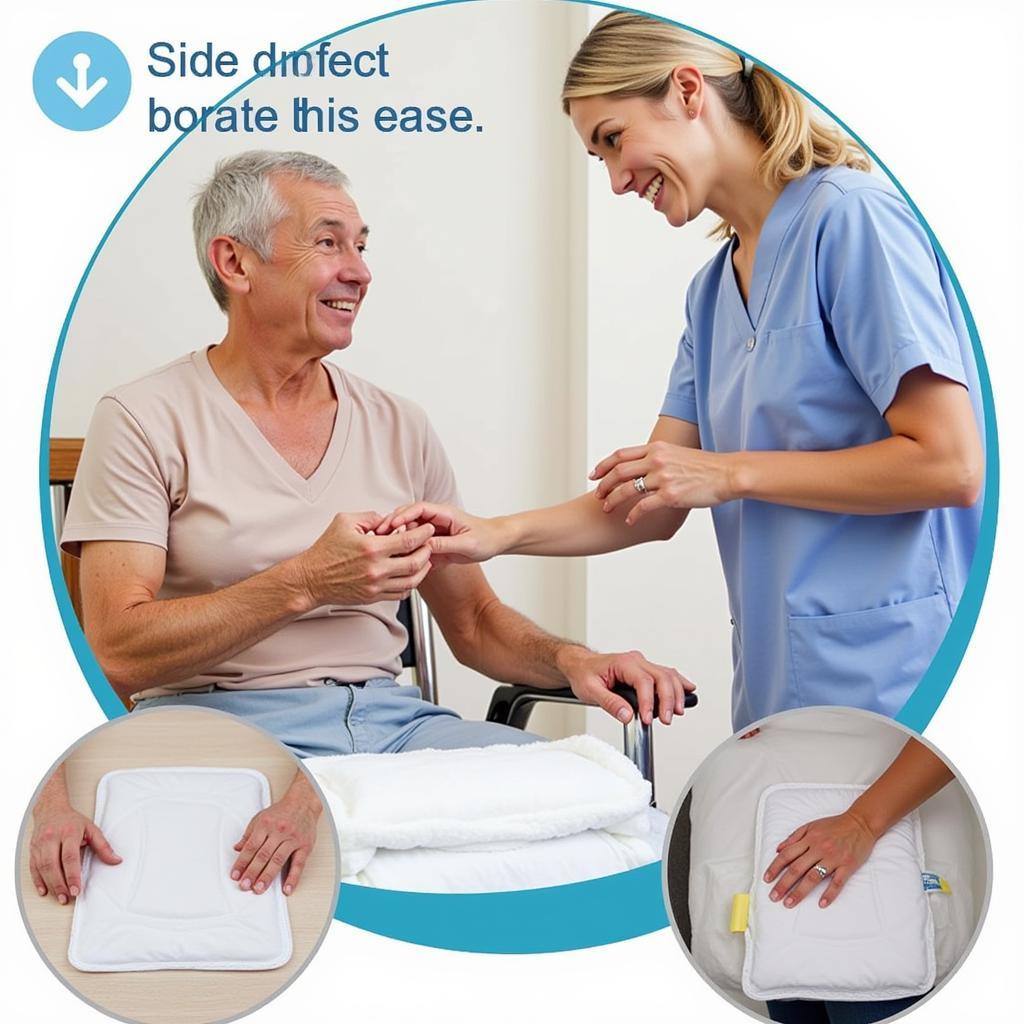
<point x="229" y="559"/>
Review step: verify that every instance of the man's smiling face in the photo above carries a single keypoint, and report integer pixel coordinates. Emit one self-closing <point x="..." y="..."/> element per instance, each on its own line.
<point x="310" y="289"/>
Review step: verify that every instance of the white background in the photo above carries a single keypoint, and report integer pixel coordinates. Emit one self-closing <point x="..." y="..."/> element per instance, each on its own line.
<point x="932" y="88"/>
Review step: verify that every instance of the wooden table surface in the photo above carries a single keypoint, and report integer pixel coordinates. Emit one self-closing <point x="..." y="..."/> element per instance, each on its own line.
<point x="168" y="737"/>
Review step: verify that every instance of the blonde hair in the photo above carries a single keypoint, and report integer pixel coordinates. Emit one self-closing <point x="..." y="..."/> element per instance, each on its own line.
<point x="628" y="55"/>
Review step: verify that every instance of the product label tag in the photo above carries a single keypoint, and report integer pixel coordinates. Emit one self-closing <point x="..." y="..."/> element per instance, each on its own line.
<point x="933" y="883"/>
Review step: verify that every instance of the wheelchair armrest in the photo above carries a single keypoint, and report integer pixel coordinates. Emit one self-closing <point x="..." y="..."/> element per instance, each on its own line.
<point x="511" y="705"/>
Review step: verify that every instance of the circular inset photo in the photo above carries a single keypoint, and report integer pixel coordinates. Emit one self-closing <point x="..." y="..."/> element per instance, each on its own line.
<point x="177" y="865"/>
<point x="827" y="866"/>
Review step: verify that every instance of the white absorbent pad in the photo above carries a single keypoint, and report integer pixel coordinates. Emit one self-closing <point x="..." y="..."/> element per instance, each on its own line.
<point x="807" y="746"/>
<point x="503" y="867"/>
<point x="479" y="799"/>
<point x="171" y="903"/>
<point x="875" y="941"/>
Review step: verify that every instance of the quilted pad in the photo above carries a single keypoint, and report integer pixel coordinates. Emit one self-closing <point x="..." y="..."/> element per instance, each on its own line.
<point x="875" y="941"/>
<point x="171" y="904"/>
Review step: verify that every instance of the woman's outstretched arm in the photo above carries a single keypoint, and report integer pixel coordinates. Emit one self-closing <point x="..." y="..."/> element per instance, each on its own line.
<point x="576" y="527"/>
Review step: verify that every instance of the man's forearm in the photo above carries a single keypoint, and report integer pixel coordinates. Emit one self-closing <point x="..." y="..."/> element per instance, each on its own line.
<point x="301" y="791"/>
<point x="53" y="795"/>
<point x="580" y="527"/>
<point x="508" y="647"/>
<point x="157" y="641"/>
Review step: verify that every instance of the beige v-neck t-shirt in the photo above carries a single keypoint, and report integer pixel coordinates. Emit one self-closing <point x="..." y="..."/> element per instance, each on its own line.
<point x="173" y="460"/>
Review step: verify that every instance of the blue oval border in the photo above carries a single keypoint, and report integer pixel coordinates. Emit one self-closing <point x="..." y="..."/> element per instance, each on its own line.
<point x="551" y="920"/>
<point x="602" y="910"/>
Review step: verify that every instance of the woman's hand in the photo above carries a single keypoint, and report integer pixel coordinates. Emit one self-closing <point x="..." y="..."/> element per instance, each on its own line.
<point x="673" y="476"/>
<point x="55" y="852"/>
<point x="458" y="536"/>
<point x="284" y="830"/>
<point x="840" y="844"/>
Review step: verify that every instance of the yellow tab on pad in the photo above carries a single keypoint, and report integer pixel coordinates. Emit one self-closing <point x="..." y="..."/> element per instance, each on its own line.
<point x="944" y="885"/>
<point x="740" y="912"/>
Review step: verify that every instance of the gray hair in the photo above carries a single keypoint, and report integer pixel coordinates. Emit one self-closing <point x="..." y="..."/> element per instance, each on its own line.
<point x="240" y="201"/>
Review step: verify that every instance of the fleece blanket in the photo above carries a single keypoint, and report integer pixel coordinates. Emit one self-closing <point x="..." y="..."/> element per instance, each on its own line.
<point x="504" y="867"/>
<point x="485" y="801"/>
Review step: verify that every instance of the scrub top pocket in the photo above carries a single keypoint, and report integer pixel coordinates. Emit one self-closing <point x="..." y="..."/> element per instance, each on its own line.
<point x="809" y="350"/>
<point x="869" y="659"/>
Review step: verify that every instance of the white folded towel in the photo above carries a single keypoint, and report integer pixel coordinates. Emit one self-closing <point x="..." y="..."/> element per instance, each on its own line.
<point x="469" y="798"/>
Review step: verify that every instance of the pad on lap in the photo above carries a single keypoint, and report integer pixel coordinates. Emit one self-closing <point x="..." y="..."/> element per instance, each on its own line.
<point x="171" y="904"/>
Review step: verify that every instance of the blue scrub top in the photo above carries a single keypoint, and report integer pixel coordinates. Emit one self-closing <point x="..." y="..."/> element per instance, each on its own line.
<point x="847" y="296"/>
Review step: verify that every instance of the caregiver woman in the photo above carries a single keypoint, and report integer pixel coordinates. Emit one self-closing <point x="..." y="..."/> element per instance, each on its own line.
<point x="823" y="400"/>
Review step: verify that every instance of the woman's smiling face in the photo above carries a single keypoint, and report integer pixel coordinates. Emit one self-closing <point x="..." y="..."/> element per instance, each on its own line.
<point x="658" y="149"/>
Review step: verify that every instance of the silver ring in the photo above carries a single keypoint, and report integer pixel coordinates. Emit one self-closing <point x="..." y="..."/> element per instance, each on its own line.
<point x="821" y="869"/>
<point x="639" y="485"/>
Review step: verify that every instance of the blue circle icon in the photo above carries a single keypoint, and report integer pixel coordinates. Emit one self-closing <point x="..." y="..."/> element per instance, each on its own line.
<point x="81" y="81"/>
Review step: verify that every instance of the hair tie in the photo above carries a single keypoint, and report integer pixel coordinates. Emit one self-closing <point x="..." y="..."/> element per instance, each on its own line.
<point x="748" y="68"/>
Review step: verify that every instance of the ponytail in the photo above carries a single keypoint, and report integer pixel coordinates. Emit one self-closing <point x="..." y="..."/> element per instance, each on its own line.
<point x="628" y="55"/>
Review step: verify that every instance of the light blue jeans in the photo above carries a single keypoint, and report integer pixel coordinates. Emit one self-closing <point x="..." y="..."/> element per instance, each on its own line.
<point x="374" y="717"/>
